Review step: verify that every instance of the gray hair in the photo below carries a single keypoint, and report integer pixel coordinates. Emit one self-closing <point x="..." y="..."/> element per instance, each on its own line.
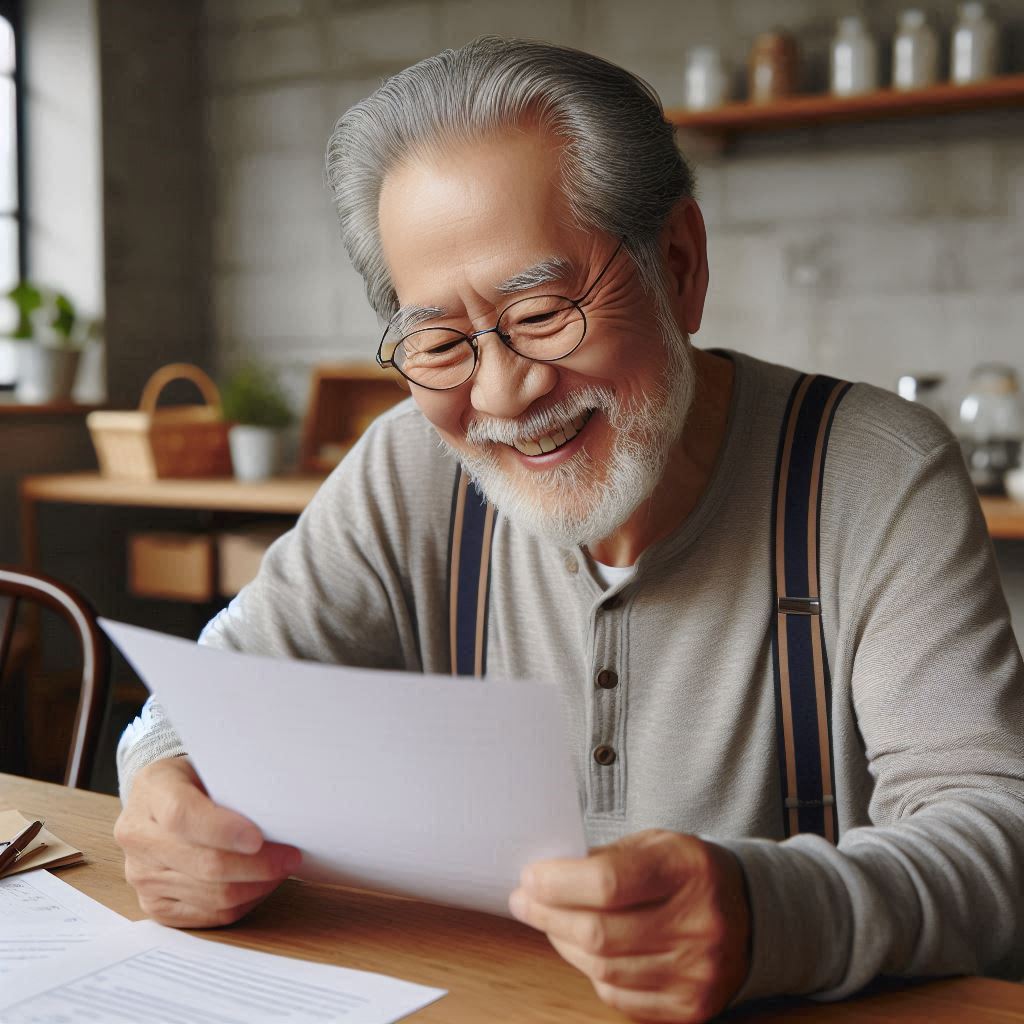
<point x="621" y="170"/>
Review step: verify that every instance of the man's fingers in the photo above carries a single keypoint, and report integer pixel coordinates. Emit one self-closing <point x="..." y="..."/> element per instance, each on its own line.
<point x="188" y="812"/>
<point x="649" y="971"/>
<point x="639" y="869"/>
<point x="596" y="933"/>
<point x="273" y="862"/>
<point x="181" y="914"/>
<point x="171" y="885"/>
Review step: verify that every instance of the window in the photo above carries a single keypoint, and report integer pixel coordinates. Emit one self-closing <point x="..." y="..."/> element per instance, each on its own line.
<point x="12" y="235"/>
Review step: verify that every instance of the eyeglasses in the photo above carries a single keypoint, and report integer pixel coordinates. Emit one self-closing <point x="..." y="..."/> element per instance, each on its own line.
<point x="544" y="328"/>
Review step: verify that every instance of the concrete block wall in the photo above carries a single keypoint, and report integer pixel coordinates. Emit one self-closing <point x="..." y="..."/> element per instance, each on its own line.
<point x="862" y="250"/>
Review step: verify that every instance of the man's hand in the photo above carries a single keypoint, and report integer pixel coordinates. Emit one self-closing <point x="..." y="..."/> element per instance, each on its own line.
<point x="194" y="864"/>
<point x="659" y="922"/>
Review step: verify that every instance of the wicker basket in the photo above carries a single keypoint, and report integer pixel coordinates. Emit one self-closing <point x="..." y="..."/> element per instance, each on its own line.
<point x="180" y="441"/>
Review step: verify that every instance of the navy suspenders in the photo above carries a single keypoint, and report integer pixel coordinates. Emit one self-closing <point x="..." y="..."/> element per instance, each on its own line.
<point x="803" y="687"/>
<point x="469" y="576"/>
<point x="800" y="662"/>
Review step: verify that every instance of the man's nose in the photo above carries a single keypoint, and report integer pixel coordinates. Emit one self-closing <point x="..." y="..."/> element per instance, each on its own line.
<point x="506" y="384"/>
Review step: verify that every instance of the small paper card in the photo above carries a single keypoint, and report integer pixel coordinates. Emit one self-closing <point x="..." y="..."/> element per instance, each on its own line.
<point x="45" y="851"/>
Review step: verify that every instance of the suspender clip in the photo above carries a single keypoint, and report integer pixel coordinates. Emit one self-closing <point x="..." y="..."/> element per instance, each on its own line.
<point x="793" y="804"/>
<point x="799" y="606"/>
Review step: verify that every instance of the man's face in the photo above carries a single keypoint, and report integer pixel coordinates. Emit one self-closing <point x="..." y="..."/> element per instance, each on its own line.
<point x="455" y="229"/>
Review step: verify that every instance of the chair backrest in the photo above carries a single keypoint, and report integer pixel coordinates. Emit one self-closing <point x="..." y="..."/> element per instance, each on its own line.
<point x="20" y="585"/>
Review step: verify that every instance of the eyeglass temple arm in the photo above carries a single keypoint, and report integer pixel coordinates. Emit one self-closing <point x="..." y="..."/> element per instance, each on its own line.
<point x="594" y="284"/>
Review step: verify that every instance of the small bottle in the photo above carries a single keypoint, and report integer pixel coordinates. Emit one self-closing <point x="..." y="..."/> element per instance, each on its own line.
<point x="772" y="70"/>
<point x="707" y="84"/>
<point x="854" y="59"/>
<point x="975" y="49"/>
<point x="915" y="53"/>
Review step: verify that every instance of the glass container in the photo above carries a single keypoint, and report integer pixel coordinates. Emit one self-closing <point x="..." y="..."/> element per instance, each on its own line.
<point x="773" y="67"/>
<point x="991" y="425"/>
<point x="707" y="84"/>
<point x="915" y="53"/>
<point x="854" y="59"/>
<point x="975" y="46"/>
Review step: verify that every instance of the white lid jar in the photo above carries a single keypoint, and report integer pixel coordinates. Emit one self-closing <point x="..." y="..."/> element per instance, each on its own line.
<point x="706" y="82"/>
<point x="915" y="53"/>
<point x="974" y="54"/>
<point x="854" y="62"/>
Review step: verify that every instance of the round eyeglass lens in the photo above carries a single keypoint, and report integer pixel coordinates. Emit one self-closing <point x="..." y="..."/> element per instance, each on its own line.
<point x="542" y="326"/>
<point x="435" y="357"/>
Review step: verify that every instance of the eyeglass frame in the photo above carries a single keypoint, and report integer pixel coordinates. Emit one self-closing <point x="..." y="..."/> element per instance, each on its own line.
<point x="385" y="364"/>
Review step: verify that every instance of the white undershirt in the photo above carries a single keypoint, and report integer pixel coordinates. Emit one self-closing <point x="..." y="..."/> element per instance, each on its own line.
<point x="612" y="575"/>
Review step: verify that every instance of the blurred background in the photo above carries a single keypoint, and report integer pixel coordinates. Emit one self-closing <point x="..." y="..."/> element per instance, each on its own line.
<point x="163" y="175"/>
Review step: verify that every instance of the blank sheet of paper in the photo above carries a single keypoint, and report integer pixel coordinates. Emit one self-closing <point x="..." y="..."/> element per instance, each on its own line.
<point x="144" y="972"/>
<point x="429" y="786"/>
<point x="42" y="917"/>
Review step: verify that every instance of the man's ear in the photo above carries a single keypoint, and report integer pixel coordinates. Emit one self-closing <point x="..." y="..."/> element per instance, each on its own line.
<point x="685" y="251"/>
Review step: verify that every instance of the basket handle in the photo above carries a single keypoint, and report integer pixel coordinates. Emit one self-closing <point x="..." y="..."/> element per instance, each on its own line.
<point x="178" y="371"/>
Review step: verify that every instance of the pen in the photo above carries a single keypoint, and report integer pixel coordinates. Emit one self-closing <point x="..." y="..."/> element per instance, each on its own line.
<point x="16" y="847"/>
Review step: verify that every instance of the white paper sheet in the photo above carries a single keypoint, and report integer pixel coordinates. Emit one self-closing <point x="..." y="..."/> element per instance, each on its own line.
<point x="429" y="786"/>
<point x="42" y="917"/>
<point x="143" y="972"/>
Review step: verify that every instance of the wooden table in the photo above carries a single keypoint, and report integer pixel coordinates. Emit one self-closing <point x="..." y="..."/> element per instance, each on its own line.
<point x="495" y="970"/>
<point x="287" y="495"/>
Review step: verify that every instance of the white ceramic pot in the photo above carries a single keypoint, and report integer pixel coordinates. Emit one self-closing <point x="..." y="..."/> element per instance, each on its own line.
<point x="255" y="451"/>
<point x="46" y="373"/>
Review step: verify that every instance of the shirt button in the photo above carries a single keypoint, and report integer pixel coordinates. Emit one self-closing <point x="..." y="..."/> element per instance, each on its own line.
<point x="571" y="565"/>
<point x="607" y="679"/>
<point x="604" y="755"/>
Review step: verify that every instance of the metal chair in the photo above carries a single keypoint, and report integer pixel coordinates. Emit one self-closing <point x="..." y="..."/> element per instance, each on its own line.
<point x="20" y="585"/>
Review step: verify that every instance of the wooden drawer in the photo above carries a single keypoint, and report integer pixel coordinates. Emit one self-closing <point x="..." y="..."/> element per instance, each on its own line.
<point x="175" y="566"/>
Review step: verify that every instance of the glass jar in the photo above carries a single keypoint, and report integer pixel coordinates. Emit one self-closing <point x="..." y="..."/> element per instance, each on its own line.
<point x="706" y="82"/>
<point x="975" y="46"/>
<point x="772" y="70"/>
<point x="915" y="53"/>
<point x="854" y="59"/>
<point x="991" y="425"/>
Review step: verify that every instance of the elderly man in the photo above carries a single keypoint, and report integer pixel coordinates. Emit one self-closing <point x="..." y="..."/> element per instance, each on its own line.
<point x="527" y="228"/>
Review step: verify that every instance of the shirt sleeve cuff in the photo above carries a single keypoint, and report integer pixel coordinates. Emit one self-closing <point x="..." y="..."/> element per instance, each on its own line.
<point x="148" y="738"/>
<point x="799" y="928"/>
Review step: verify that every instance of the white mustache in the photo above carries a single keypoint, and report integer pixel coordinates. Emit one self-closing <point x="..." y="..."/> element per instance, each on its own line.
<point x="543" y="422"/>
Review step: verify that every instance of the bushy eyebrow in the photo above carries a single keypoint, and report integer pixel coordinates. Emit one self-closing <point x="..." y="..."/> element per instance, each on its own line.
<point x="545" y="271"/>
<point x="549" y="270"/>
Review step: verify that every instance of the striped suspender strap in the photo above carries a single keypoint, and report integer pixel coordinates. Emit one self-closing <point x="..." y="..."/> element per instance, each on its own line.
<point x="803" y="714"/>
<point x="469" y="563"/>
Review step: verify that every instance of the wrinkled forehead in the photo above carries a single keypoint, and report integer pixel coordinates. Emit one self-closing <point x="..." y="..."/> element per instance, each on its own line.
<point x="483" y="212"/>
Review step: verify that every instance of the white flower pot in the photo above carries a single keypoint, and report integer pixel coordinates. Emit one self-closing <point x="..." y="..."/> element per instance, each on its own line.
<point x="46" y="373"/>
<point x="255" y="451"/>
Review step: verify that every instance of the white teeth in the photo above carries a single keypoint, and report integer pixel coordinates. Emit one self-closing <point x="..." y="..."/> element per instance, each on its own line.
<point x="529" y="448"/>
<point x="549" y="442"/>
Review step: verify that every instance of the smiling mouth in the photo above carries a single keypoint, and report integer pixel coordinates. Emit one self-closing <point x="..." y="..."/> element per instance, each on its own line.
<point x="547" y="443"/>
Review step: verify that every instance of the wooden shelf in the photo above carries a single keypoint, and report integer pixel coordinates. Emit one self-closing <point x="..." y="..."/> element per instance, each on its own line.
<point x="9" y="407"/>
<point x="808" y="111"/>
<point x="1005" y="518"/>
<point x="286" y="495"/>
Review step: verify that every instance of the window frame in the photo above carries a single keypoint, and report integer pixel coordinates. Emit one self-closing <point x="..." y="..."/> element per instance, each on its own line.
<point x="12" y="11"/>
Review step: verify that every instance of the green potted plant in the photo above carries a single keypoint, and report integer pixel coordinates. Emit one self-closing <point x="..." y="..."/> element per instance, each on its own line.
<point x="50" y="336"/>
<point x="258" y="410"/>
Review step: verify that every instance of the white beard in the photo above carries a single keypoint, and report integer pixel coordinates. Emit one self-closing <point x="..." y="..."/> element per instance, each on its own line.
<point x="582" y="501"/>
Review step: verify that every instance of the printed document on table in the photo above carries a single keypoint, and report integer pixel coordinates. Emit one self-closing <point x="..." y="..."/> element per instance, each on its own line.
<point x="435" y="787"/>
<point x="42" y="917"/>
<point x="144" y="972"/>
